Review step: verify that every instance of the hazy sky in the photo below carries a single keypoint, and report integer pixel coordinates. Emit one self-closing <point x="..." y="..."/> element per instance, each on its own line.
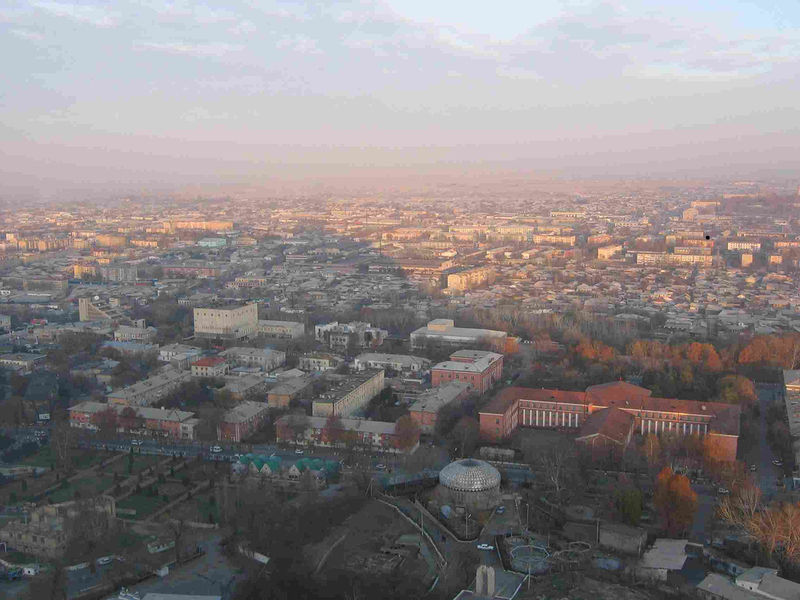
<point x="166" y="93"/>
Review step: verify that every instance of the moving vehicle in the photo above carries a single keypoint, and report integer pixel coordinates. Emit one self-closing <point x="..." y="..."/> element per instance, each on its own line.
<point x="500" y="510"/>
<point x="136" y="442"/>
<point x="216" y="449"/>
<point x="485" y="547"/>
<point x="380" y="467"/>
<point x="723" y="491"/>
<point x="299" y="452"/>
<point x="105" y="560"/>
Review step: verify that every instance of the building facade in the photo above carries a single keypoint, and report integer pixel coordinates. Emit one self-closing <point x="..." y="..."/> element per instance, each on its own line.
<point x="242" y="421"/>
<point x="281" y="330"/>
<point x="478" y="368"/>
<point x="351" y="396"/>
<point x="226" y="322"/>
<point x="558" y="409"/>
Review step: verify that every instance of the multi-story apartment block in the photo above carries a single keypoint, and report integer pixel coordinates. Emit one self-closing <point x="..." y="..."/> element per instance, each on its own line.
<point x="149" y="391"/>
<point x="791" y="395"/>
<point x="226" y="322"/>
<point x="528" y="407"/>
<point x="342" y="336"/>
<point x="264" y="358"/>
<point x="478" y="368"/>
<point x="470" y="279"/>
<point x="242" y="421"/>
<point x="426" y="406"/>
<point x="609" y="252"/>
<point x="282" y="330"/>
<point x="119" y="273"/>
<point x="744" y="245"/>
<point x="375" y="434"/>
<point x="136" y="420"/>
<point x="350" y="397"/>
<point x="47" y="529"/>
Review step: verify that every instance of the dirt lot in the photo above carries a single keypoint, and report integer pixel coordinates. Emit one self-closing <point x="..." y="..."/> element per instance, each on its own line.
<point x="373" y="527"/>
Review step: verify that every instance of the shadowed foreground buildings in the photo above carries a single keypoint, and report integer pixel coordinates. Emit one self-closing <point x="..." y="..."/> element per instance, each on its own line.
<point x="558" y="409"/>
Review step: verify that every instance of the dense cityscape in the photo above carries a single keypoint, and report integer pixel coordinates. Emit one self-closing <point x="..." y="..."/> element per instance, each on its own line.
<point x="467" y="395"/>
<point x="399" y="300"/>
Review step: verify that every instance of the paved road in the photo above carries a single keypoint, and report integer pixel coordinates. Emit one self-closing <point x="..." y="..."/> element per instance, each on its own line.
<point x="767" y="472"/>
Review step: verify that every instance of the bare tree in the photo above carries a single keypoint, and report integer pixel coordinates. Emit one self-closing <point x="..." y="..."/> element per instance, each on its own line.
<point x="62" y="437"/>
<point x="554" y="464"/>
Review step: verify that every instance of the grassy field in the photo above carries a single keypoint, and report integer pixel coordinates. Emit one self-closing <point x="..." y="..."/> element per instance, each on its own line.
<point x="140" y="463"/>
<point x="81" y="459"/>
<point x="85" y="487"/>
<point x="143" y="504"/>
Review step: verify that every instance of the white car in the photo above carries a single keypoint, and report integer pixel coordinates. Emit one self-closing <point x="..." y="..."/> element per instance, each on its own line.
<point x="216" y="449"/>
<point x="380" y="467"/>
<point x="105" y="560"/>
<point x="299" y="452"/>
<point x="485" y="547"/>
<point x="723" y="491"/>
<point x="136" y="442"/>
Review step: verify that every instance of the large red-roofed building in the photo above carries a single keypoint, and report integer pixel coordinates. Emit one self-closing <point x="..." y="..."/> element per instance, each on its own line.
<point x="557" y="409"/>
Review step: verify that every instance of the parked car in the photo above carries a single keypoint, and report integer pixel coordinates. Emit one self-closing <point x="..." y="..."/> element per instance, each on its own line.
<point x="105" y="560"/>
<point x="299" y="452"/>
<point x="500" y="510"/>
<point x="753" y="468"/>
<point x="777" y="463"/>
<point x="136" y="442"/>
<point x="486" y="547"/>
<point x="723" y="491"/>
<point x="380" y="467"/>
<point x="216" y="449"/>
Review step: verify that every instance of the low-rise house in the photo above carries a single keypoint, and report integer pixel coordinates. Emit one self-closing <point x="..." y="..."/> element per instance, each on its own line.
<point x="210" y="366"/>
<point x="664" y="557"/>
<point x="318" y="362"/>
<point x="179" y="355"/>
<point x="127" y="333"/>
<point x="401" y="363"/>
<point x="266" y="359"/>
<point x="20" y="362"/>
<point x="765" y="583"/>
<point x="282" y="330"/>
<point x="720" y="587"/>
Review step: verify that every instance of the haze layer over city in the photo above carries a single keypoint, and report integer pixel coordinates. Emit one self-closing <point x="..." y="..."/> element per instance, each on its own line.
<point x="399" y="300"/>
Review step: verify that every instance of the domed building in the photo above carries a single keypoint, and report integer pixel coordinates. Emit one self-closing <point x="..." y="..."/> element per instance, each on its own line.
<point x="471" y="483"/>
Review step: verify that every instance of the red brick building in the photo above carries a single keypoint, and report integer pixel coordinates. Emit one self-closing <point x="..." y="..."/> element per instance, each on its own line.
<point x="136" y="420"/>
<point x="242" y="421"/>
<point x="478" y="368"/>
<point x="558" y="409"/>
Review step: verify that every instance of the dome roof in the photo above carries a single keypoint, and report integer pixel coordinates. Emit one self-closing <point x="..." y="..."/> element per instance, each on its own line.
<point x="469" y="475"/>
